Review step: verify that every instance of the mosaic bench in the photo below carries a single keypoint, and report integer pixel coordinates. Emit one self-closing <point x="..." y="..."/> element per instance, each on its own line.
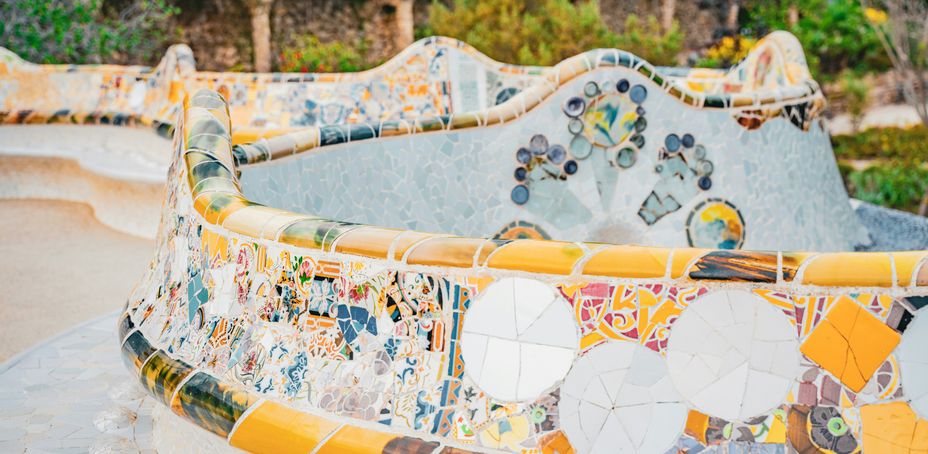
<point x="63" y="115"/>
<point x="286" y="332"/>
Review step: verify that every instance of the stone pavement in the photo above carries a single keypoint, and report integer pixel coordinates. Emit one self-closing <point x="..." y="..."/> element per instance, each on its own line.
<point x="73" y="394"/>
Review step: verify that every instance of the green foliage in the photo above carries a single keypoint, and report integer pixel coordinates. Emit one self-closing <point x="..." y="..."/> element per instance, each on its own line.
<point x="70" y="31"/>
<point x="835" y="34"/>
<point x="884" y="143"/>
<point x="894" y="184"/>
<point x="647" y="40"/>
<point x="727" y="52"/>
<point x="544" y="32"/>
<point x="308" y="54"/>
<point x="854" y="92"/>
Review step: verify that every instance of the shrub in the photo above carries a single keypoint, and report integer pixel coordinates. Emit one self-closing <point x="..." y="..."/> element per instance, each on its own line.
<point x="894" y="184"/>
<point x="835" y="34"/>
<point x="647" y="40"/>
<point x="854" y="92"/>
<point x="884" y="143"/>
<point x="68" y="31"/>
<point x="544" y="32"/>
<point x="308" y="54"/>
<point x="727" y="52"/>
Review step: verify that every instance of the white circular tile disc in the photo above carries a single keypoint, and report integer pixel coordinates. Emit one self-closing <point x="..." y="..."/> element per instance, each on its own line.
<point x="618" y="398"/>
<point x="519" y="339"/>
<point x="733" y="355"/>
<point x="913" y="361"/>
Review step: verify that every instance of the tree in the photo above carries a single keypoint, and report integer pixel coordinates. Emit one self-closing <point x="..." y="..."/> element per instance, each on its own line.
<point x="404" y="22"/>
<point x="260" y="11"/>
<point x="903" y="29"/>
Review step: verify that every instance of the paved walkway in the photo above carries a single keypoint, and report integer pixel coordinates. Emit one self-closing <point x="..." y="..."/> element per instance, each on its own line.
<point x="60" y="267"/>
<point x="72" y="394"/>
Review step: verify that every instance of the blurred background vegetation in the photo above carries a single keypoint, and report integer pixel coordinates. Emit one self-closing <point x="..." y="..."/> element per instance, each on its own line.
<point x="841" y="38"/>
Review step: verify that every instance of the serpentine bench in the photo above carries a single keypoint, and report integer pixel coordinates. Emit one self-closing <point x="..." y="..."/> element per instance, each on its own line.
<point x="291" y="307"/>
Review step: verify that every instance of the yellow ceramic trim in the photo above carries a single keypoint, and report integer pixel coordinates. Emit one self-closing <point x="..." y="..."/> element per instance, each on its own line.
<point x="274" y="428"/>
<point x="628" y="262"/>
<point x="540" y="256"/>
<point x="858" y="269"/>
<point x="905" y="265"/>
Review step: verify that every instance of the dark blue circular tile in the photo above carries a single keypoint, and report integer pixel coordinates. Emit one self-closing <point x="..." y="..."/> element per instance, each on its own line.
<point x="570" y="167"/>
<point x="622" y="86"/>
<point x="521" y="173"/>
<point x="519" y="194"/>
<point x="538" y="144"/>
<point x="638" y="94"/>
<point x="557" y="154"/>
<point x="641" y="124"/>
<point x="672" y="142"/>
<point x="689" y="140"/>
<point x="705" y="183"/>
<point x="574" y="107"/>
<point x="523" y="155"/>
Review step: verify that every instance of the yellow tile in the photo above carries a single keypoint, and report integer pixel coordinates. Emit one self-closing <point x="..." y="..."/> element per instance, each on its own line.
<point x="406" y="241"/>
<point x="351" y="439"/>
<point x="682" y="258"/>
<point x="540" y="256"/>
<point x="853" y="269"/>
<point x="448" y="251"/>
<point x="905" y="265"/>
<point x="792" y="262"/>
<point x="628" y="261"/>
<point x="274" y="428"/>
<point x="893" y="427"/>
<point x="921" y="279"/>
<point x="851" y="343"/>
<point x="367" y="241"/>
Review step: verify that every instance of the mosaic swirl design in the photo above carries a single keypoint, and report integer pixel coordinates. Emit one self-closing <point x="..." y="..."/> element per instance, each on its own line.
<point x="716" y="224"/>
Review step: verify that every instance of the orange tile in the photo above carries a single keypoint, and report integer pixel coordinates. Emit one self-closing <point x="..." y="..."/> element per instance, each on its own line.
<point x="274" y="428"/>
<point x="367" y="241"/>
<point x="447" y="251"/>
<point x="682" y="258"/>
<point x="540" y="256"/>
<point x="893" y="427"/>
<point x="905" y="265"/>
<point x="628" y="261"/>
<point x="850" y="343"/>
<point x="352" y="439"/>
<point x="854" y="269"/>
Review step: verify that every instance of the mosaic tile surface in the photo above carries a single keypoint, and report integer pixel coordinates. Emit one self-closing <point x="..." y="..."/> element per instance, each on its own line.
<point x="380" y="338"/>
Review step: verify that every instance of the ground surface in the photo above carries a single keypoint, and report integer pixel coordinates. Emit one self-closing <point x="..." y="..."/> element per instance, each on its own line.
<point x="73" y="395"/>
<point x="60" y="267"/>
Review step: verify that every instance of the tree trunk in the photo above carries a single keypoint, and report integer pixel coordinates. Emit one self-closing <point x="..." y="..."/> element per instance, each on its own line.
<point x="405" y="24"/>
<point x="731" y="22"/>
<point x="792" y="15"/>
<point x="668" y="11"/>
<point x="261" y="33"/>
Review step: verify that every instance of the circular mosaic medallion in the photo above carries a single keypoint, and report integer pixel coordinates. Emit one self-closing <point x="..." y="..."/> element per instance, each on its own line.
<point x="519" y="339"/>
<point x="618" y="398"/>
<point x="715" y="224"/>
<point x="733" y="355"/>
<point x="913" y="362"/>
<point x="520" y="230"/>
<point x="609" y="120"/>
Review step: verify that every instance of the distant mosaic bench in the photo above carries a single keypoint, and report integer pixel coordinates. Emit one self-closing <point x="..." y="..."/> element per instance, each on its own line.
<point x="287" y="332"/>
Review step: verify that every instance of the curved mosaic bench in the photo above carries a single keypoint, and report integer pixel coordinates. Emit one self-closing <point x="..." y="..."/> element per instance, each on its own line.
<point x="287" y="332"/>
<point x="433" y="76"/>
<point x="606" y="149"/>
<point x="106" y="168"/>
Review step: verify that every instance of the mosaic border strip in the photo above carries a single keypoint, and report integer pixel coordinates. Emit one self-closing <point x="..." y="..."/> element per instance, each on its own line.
<point x="769" y="103"/>
<point x="218" y="198"/>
